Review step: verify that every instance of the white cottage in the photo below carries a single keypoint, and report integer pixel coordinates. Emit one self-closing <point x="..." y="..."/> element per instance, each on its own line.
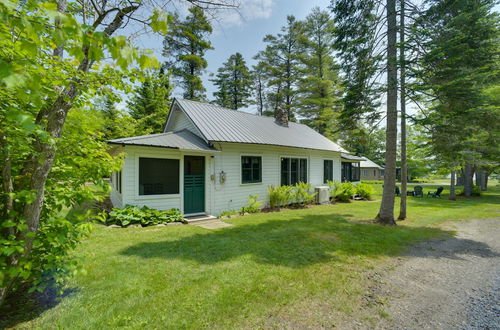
<point x="210" y="159"/>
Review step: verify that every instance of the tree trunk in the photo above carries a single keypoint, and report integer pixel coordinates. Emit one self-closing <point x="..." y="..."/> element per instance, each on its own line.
<point x="486" y="175"/>
<point x="461" y="178"/>
<point x="481" y="179"/>
<point x="468" y="173"/>
<point x="386" y="213"/>
<point x="404" y="169"/>
<point x="40" y="164"/>
<point x="452" y="186"/>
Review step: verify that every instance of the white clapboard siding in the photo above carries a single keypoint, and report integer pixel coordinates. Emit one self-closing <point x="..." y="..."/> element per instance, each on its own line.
<point x="180" y="121"/>
<point x="230" y="195"/>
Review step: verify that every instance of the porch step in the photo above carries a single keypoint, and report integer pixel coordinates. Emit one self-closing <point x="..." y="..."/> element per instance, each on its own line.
<point x="199" y="218"/>
<point x="207" y="222"/>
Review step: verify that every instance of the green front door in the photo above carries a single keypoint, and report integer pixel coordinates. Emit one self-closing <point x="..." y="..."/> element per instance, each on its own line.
<point x="194" y="184"/>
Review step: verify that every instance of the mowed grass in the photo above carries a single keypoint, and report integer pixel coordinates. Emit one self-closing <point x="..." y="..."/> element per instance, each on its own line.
<point x="295" y="268"/>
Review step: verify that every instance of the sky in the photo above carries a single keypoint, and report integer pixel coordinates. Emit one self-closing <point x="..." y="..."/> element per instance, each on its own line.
<point x="241" y="30"/>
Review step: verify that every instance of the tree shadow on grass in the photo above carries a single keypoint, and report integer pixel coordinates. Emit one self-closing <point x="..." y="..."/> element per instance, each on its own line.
<point x="294" y="243"/>
<point x="23" y="306"/>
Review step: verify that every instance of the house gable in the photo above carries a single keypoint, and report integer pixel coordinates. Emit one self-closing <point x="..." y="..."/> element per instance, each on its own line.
<point x="178" y="120"/>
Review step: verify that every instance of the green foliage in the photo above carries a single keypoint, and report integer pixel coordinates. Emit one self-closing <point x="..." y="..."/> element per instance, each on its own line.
<point x="365" y="191"/>
<point x="303" y="194"/>
<point x="280" y="196"/>
<point x="150" y="103"/>
<point x="372" y="181"/>
<point x="227" y="214"/>
<point x="234" y="83"/>
<point x="51" y="65"/>
<point x="279" y="64"/>
<point x="187" y="62"/>
<point x="319" y="90"/>
<point x="341" y="191"/>
<point x="116" y="124"/>
<point x="144" y="216"/>
<point x="476" y="191"/>
<point x="365" y="141"/>
<point x="356" y="45"/>
<point x="253" y="205"/>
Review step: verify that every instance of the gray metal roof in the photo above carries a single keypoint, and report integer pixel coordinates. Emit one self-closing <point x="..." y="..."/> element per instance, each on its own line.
<point x="369" y="164"/>
<point x="220" y="124"/>
<point x="352" y="157"/>
<point x="184" y="140"/>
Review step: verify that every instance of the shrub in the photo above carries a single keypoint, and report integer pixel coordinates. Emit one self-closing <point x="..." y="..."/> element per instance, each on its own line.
<point x="341" y="191"/>
<point x="303" y="194"/>
<point x="144" y="216"/>
<point x="476" y="191"/>
<point x="364" y="191"/>
<point x="253" y="205"/>
<point x="280" y="196"/>
<point x="373" y="181"/>
<point x="227" y="214"/>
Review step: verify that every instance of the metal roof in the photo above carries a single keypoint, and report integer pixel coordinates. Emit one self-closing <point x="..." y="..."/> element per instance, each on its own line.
<point x="184" y="140"/>
<point x="369" y="164"/>
<point x="218" y="124"/>
<point x="352" y="157"/>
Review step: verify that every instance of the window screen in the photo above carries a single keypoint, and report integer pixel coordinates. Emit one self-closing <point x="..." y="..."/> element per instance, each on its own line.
<point x="251" y="169"/>
<point x="158" y="176"/>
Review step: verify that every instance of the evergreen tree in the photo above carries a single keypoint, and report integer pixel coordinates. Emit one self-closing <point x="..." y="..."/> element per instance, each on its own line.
<point x="458" y="68"/>
<point x="234" y="83"/>
<point x="150" y="102"/>
<point x="116" y="124"/>
<point x="185" y="46"/>
<point x="259" y="80"/>
<point x="281" y="62"/>
<point x="318" y="87"/>
<point x="356" y="26"/>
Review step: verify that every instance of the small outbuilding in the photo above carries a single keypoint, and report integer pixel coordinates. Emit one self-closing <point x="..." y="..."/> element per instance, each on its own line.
<point x="371" y="170"/>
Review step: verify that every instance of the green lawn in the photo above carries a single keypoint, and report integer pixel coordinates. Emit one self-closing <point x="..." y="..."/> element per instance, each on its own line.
<point x="294" y="268"/>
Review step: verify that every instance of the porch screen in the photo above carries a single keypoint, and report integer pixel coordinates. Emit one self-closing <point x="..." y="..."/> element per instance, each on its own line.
<point x="158" y="176"/>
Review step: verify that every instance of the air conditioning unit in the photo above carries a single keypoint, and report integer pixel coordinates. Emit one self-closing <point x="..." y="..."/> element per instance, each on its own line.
<point x="322" y="194"/>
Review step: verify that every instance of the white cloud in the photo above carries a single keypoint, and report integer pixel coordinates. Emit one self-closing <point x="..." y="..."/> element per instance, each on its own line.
<point x="248" y="10"/>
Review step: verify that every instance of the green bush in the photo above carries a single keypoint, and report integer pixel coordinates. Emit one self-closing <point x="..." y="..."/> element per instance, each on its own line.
<point x="144" y="216"/>
<point x="476" y="191"/>
<point x="373" y="181"/>
<point x="253" y="205"/>
<point x="280" y="196"/>
<point x="341" y="191"/>
<point x="303" y="194"/>
<point x="227" y="214"/>
<point x="364" y="191"/>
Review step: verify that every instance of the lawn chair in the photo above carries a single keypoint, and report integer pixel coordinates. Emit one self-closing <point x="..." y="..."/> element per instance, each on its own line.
<point x="436" y="193"/>
<point x="418" y="191"/>
<point x="398" y="193"/>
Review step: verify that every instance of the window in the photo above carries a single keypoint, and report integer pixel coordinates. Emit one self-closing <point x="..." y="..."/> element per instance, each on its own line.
<point x="365" y="173"/>
<point x="119" y="181"/>
<point x="382" y="172"/>
<point x="327" y="170"/>
<point x="293" y="170"/>
<point x="251" y="169"/>
<point x="158" y="176"/>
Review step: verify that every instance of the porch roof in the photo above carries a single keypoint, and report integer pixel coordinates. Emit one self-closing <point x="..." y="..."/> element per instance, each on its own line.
<point x="182" y="140"/>
<point x="351" y="158"/>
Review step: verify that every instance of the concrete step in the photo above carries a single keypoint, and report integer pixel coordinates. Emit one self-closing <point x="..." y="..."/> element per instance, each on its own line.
<point x="199" y="218"/>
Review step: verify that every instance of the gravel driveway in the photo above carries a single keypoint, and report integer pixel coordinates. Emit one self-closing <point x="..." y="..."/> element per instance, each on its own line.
<point x="446" y="284"/>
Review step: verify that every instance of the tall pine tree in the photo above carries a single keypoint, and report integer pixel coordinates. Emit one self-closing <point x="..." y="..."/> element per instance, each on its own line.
<point x="185" y="46"/>
<point x="150" y="102"/>
<point x="234" y="83"/>
<point x="281" y="62"/>
<point x="318" y="88"/>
